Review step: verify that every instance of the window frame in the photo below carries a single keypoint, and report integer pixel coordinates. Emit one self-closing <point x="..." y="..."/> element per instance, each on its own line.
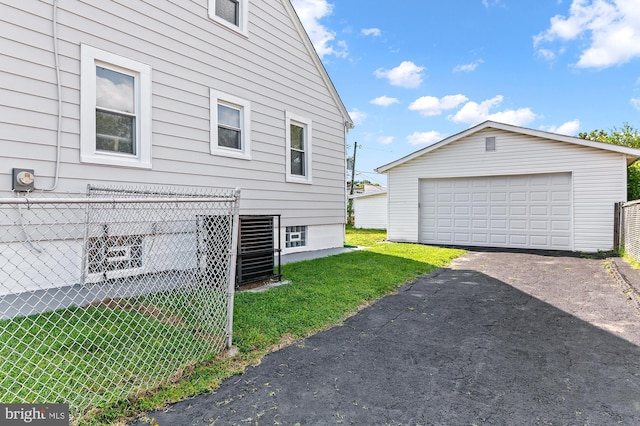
<point x="90" y="58"/>
<point x="301" y="241"/>
<point x="243" y="17"/>
<point x="307" y="125"/>
<point x="216" y="98"/>
<point x="490" y="144"/>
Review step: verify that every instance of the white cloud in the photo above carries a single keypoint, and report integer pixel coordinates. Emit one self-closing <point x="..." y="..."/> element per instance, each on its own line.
<point x="375" y="32"/>
<point x="386" y="139"/>
<point x="569" y="128"/>
<point x="357" y="116"/>
<point x="323" y="39"/>
<point x="635" y="102"/>
<point x="407" y="74"/>
<point x="430" y="105"/>
<point x="468" y="67"/>
<point x="487" y="3"/>
<point x="424" y="138"/>
<point x="473" y="113"/>
<point x="611" y="26"/>
<point x="116" y="95"/>
<point x="384" y="101"/>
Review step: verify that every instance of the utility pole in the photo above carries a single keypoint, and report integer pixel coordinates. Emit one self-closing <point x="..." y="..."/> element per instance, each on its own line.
<point x="353" y="167"/>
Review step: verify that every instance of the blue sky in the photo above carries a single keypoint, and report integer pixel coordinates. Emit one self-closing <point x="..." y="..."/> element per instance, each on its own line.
<point x="413" y="75"/>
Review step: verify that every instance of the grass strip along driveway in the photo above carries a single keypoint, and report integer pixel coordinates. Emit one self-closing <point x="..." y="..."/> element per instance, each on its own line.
<point x="321" y="293"/>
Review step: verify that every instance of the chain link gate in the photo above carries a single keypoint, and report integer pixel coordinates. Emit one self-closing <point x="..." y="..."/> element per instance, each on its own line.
<point x="631" y="229"/>
<point x="106" y="294"/>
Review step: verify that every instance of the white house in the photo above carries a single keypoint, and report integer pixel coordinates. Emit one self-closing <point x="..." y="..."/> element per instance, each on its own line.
<point x="500" y="185"/>
<point x="203" y="93"/>
<point x="370" y="209"/>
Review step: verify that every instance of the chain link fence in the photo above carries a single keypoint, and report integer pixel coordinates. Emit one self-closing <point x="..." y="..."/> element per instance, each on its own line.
<point x="107" y="294"/>
<point x="631" y="229"/>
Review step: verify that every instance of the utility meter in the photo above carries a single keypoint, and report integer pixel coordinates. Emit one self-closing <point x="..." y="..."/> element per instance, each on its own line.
<point x="23" y="180"/>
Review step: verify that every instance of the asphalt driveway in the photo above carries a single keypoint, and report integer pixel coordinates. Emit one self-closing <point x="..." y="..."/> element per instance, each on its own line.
<point x="497" y="338"/>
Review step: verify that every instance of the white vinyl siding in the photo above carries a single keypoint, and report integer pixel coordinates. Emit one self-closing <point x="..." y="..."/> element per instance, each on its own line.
<point x="370" y="211"/>
<point x="189" y="54"/>
<point x="598" y="179"/>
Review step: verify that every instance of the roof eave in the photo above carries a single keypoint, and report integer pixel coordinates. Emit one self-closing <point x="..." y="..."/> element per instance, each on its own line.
<point x="630" y="153"/>
<point x="348" y="122"/>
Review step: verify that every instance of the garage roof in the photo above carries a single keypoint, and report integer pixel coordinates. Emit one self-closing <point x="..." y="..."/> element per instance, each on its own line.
<point x="632" y="153"/>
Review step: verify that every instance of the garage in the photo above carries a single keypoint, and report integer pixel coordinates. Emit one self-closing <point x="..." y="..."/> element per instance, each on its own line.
<point x="521" y="211"/>
<point x="500" y="185"/>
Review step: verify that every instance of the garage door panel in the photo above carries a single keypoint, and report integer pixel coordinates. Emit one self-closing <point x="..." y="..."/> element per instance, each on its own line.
<point x="542" y="196"/>
<point x="539" y="225"/>
<point x="518" y="224"/>
<point x="518" y="196"/>
<point x="498" y="210"/>
<point x="518" y="210"/>
<point x="480" y="210"/>
<point x="461" y="223"/>
<point x="462" y="238"/>
<point x="527" y="211"/>
<point x="542" y="211"/>
<point x="496" y="238"/>
<point x="518" y="239"/>
<point x="480" y="224"/>
<point x="462" y="210"/>
<point x="479" y="239"/>
<point x="462" y="197"/>
<point x="498" y="196"/>
<point x="498" y="223"/>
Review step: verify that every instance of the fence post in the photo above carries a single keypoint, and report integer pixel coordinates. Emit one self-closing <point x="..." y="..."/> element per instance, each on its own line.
<point x="617" y="226"/>
<point x="233" y="258"/>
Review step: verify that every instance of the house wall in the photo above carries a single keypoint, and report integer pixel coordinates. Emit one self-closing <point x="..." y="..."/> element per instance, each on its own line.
<point x="370" y="211"/>
<point x="189" y="55"/>
<point x="599" y="180"/>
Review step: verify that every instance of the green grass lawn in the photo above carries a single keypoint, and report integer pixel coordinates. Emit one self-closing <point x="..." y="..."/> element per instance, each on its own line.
<point x="322" y="293"/>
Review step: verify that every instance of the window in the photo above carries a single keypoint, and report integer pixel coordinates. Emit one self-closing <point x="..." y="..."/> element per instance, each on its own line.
<point x="296" y="236"/>
<point x="230" y="13"/>
<point x="115" y="256"/>
<point x="490" y="143"/>
<point x="298" y="135"/>
<point x="230" y="126"/>
<point x="115" y="110"/>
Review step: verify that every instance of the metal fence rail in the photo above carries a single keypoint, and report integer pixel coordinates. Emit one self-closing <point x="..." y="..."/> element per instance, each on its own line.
<point x="631" y="229"/>
<point x="106" y="294"/>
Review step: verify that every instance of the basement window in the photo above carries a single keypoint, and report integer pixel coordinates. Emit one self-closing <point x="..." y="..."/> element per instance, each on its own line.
<point x="490" y="144"/>
<point x="296" y="236"/>
<point x="115" y="253"/>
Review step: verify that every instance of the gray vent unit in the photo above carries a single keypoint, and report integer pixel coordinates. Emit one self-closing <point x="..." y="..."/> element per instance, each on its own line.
<point x="257" y="251"/>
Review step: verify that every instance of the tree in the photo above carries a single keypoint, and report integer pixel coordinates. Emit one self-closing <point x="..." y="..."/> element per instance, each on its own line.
<point x="625" y="136"/>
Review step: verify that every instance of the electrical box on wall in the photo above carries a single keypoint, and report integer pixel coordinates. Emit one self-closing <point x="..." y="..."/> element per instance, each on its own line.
<point x="23" y="180"/>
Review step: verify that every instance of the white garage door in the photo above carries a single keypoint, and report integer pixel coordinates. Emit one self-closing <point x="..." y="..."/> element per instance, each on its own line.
<point x="524" y="211"/>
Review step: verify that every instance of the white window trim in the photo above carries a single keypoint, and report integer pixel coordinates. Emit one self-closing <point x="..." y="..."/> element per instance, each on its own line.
<point x="243" y="17"/>
<point x="307" y="124"/>
<point x="216" y="98"/>
<point x="90" y="57"/>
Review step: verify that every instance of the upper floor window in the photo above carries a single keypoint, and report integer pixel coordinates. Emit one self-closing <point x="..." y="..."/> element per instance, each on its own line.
<point x="230" y="13"/>
<point x="115" y="110"/>
<point x="298" y="135"/>
<point x="230" y="125"/>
